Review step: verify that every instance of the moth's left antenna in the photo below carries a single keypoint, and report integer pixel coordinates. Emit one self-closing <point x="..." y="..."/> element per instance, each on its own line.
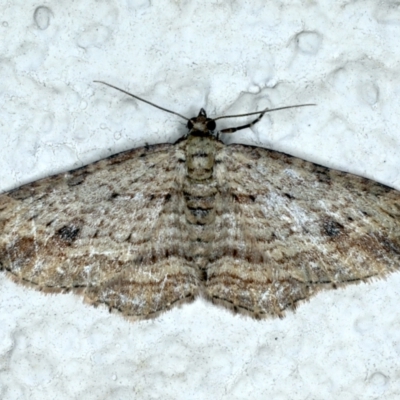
<point x="145" y="101"/>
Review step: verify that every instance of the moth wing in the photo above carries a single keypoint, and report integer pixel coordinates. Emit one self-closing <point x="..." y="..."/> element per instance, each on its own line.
<point x="109" y="231"/>
<point x="289" y="228"/>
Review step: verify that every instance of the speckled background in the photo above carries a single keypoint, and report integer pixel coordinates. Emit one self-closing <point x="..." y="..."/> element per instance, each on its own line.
<point x="226" y="56"/>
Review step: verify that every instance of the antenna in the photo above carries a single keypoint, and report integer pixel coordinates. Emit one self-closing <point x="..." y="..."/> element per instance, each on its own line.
<point x="227" y="130"/>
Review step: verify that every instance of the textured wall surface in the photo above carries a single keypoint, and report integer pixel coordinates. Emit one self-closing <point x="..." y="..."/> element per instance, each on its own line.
<point x="227" y="57"/>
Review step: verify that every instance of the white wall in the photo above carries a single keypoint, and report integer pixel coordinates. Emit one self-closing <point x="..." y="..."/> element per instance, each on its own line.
<point x="226" y="56"/>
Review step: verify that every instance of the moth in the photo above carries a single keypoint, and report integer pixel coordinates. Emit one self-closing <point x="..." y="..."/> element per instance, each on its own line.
<point x="252" y="229"/>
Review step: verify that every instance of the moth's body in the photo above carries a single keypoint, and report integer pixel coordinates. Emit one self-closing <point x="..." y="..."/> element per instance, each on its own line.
<point x="250" y="228"/>
<point x="202" y="196"/>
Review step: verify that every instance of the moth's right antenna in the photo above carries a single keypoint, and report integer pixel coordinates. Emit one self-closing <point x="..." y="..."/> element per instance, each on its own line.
<point x="145" y="101"/>
<point x="249" y="125"/>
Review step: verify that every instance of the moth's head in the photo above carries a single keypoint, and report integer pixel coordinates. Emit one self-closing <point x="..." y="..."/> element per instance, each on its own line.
<point x="201" y="125"/>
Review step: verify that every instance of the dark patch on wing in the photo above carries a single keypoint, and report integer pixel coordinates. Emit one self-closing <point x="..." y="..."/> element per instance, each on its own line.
<point x="332" y="228"/>
<point x="77" y="179"/>
<point x="68" y="233"/>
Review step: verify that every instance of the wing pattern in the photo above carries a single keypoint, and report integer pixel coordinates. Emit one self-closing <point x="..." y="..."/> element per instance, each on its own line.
<point x="109" y="231"/>
<point x="252" y="229"/>
<point x="291" y="228"/>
